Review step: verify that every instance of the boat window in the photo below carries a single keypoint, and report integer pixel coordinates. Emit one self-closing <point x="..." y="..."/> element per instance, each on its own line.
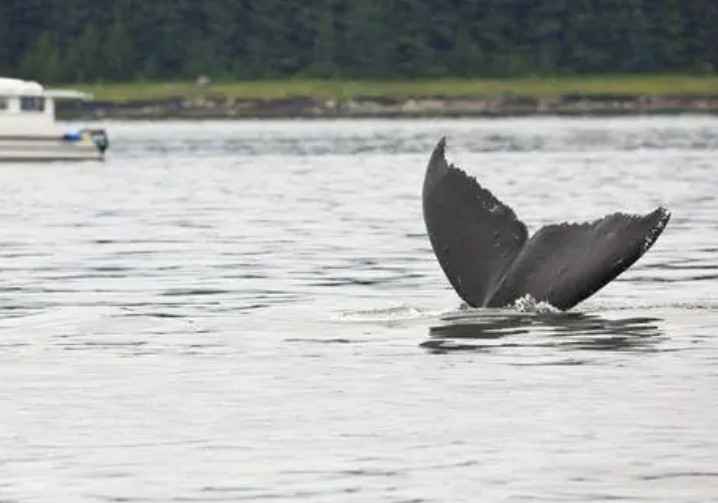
<point x="3" y="103"/>
<point x="32" y="103"/>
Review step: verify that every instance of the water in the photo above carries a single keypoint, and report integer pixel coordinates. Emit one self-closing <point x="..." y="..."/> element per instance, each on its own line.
<point x="251" y="311"/>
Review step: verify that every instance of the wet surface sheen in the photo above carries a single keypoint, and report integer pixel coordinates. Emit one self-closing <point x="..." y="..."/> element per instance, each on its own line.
<point x="252" y="311"/>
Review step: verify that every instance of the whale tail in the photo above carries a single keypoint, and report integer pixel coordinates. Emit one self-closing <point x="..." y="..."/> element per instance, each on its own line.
<point x="485" y="252"/>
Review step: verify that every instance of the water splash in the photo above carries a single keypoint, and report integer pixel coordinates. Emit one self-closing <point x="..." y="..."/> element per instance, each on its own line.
<point x="527" y="304"/>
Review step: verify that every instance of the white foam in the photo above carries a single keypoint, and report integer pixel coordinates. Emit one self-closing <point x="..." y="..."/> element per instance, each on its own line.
<point x="527" y="304"/>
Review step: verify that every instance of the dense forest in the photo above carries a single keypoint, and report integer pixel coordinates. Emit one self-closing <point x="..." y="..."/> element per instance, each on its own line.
<point x="122" y="40"/>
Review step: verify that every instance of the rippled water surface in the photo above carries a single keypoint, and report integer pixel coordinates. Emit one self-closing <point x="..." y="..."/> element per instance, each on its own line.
<point x="231" y="311"/>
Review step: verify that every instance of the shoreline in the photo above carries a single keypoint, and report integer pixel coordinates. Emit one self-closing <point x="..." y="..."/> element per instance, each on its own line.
<point x="222" y="107"/>
<point x="586" y="95"/>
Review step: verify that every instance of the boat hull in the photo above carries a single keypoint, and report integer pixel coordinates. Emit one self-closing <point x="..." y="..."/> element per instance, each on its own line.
<point x="47" y="148"/>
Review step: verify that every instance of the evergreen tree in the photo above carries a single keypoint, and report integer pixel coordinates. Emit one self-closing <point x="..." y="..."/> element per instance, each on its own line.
<point x="4" y="39"/>
<point x="119" y="50"/>
<point x="324" y="43"/>
<point x="85" y="58"/>
<point x="701" y="35"/>
<point x="367" y="39"/>
<point x="41" y="62"/>
<point x="666" y="33"/>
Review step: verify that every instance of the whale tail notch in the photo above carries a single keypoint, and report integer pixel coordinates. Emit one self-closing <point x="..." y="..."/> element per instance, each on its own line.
<point x="484" y="250"/>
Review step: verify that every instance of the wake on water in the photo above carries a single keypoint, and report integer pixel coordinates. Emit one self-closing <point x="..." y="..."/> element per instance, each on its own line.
<point x="525" y="305"/>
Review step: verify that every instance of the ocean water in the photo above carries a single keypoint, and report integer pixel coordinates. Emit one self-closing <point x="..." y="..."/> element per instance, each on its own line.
<point x="241" y="311"/>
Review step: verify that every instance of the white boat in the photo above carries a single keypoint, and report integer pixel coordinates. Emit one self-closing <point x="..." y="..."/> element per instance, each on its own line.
<point x="28" y="131"/>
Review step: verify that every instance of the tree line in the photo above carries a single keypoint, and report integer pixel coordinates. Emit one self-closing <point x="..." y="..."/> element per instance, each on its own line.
<point x="125" y="40"/>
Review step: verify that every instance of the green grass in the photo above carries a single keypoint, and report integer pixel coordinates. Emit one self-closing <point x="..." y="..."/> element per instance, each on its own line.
<point x="633" y="85"/>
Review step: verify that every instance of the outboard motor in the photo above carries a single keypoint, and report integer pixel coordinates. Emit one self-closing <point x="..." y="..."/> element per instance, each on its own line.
<point x="100" y="139"/>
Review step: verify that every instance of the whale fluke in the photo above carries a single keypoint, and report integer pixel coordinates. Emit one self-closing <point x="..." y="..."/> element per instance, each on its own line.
<point x="485" y="252"/>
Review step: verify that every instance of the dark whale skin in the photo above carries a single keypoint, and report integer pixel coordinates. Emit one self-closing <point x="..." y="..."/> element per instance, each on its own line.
<point x="484" y="250"/>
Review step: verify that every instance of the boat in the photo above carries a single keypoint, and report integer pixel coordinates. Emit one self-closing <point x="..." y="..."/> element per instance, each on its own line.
<point x="28" y="131"/>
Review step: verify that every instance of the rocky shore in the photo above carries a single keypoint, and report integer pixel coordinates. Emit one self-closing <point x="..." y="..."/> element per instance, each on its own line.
<point x="221" y="107"/>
